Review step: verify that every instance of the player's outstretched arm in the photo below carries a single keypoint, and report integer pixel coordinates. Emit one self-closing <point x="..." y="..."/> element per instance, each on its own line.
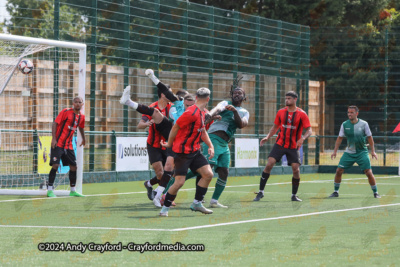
<point x="337" y="144"/>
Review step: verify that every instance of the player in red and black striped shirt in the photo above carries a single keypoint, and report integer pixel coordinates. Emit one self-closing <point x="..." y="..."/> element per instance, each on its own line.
<point x="157" y="153"/>
<point x="63" y="130"/>
<point x="184" y="139"/>
<point x="160" y="127"/>
<point x="291" y="121"/>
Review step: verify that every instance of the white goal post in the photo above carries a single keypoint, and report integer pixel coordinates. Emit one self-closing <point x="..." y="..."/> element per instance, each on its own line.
<point x="26" y="108"/>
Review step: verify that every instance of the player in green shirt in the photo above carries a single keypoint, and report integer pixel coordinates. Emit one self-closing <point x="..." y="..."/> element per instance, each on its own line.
<point x="357" y="132"/>
<point x="233" y="116"/>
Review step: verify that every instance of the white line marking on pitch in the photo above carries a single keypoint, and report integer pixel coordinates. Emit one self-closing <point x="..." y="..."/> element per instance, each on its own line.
<point x="315" y="181"/>
<point x="282" y="217"/>
<point x="82" y="227"/>
<point x="201" y="226"/>
<point x="190" y="189"/>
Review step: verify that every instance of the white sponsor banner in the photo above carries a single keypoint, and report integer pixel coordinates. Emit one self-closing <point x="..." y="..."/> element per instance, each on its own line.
<point x="246" y="152"/>
<point x="132" y="154"/>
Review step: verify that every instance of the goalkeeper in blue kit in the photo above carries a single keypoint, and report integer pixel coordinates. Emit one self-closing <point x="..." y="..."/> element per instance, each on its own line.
<point x="357" y="132"/>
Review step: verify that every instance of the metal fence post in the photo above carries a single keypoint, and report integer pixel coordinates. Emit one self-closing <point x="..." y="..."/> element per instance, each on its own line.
<point x="157" y="52"/>
<point x="233" y="153"/>
<point x="279" y="59"/>
<point x="211" y="56"/>
<point x="35" y="151"/>
<point x="113" y="150"/>
<point x="385" y="105"/>
<point x="257" y="89"/>
<point x="126" y="43"/>
<point x="306" y="95"/>
<point x="235" y="43"/>
<point x="185" y="50"/>
<point x="317" y="150"/>
<point x="93" y="62"/>
<point x="56" y="59"/>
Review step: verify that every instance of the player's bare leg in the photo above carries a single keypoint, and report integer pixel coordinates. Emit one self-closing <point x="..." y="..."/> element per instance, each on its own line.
<point x="158" y="169"/>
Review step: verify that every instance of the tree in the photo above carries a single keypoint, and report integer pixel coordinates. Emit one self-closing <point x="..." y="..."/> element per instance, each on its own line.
<point x="35" y="18"/>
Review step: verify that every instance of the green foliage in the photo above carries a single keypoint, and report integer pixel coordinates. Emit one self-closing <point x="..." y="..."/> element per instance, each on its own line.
<point x="237" y="5"/>
<point x="36" y="19"/>
<point x="27" y="14"/>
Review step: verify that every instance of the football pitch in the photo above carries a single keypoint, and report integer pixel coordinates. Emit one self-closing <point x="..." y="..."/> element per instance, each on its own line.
<point x="352" y="230"/>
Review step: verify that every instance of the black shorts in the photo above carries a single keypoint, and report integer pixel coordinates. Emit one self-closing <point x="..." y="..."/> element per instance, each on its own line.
<point x="170" y="153"/>
<point x="156" y="154"/>
<point x="292" y="155"/>
<point x="194" y="161"/>
<point x="164" y="127"/>
<point x="66" y="155"/>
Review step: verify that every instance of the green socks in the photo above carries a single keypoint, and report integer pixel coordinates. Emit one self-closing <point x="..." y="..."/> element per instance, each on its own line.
<point x="219" y="188"/>
<point x="171" y="182"/>
<point x="337" y="185"/>
<point x="189" y="175"/>
<point x="374" y="188"/>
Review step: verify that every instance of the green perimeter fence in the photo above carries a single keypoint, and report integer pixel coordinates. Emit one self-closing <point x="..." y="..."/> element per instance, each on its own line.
<point x="316" y="153"/>
<point x="191" y="45"/>
<point x="188" y="45"/>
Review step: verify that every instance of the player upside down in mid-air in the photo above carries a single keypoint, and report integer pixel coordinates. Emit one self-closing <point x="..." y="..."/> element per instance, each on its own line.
<point x="161" y="125"/>
<point x="156" y="119"/>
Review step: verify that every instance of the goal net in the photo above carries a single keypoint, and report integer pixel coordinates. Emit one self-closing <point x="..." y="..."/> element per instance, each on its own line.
<point x="29" y="104"/>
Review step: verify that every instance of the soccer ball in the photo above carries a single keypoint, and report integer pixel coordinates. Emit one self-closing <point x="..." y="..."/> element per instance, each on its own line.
<point x="25" y="66"/>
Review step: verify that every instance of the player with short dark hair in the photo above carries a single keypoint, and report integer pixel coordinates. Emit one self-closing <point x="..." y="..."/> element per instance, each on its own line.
<point x="63" y="129"/>
<point x="356" y="131"/>
<point x="221" y="132"/>
<point x="291" y="121"/>
<point x="184" y="139"/>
